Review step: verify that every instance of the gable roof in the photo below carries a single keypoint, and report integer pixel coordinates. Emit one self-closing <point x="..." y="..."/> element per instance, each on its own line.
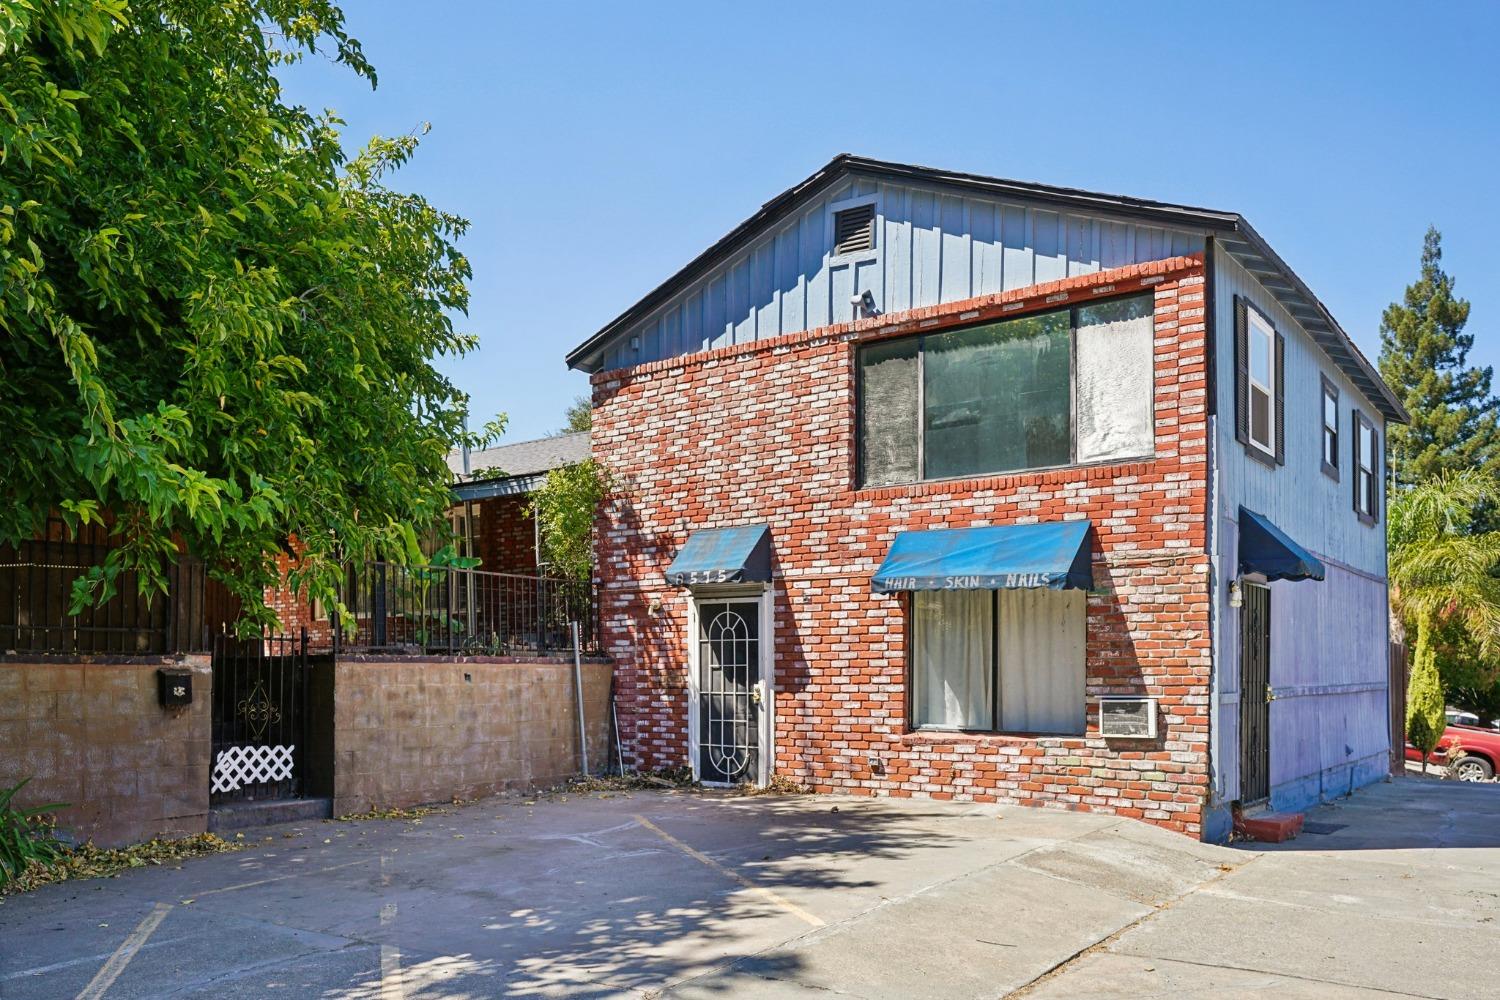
<point x="1230" y="230"/>
<point x="515" y="468"/>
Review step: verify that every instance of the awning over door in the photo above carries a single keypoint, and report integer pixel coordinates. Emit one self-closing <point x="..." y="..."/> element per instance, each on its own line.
<point x="1054" y="556"/>
<point x="1265" y="548"/>
<point x="741" y="554"/>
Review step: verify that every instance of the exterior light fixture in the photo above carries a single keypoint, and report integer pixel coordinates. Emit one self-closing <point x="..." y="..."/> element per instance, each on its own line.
<point x="1235" y="598"/>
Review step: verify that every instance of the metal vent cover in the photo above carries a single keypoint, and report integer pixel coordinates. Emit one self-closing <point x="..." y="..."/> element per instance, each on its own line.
<point x="854" y="229"/>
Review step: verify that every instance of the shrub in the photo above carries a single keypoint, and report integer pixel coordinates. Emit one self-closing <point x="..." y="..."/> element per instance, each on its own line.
<point x="26" y="836"/>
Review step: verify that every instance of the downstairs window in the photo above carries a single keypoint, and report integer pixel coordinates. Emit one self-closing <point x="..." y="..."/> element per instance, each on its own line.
<point x="998" y="660"/>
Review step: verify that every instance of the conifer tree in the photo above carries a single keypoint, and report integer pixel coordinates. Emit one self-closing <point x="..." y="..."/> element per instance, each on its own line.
<point x="1424" y="357"/>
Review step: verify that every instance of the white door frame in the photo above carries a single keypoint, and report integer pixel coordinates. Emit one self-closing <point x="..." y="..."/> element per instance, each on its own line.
<point x="763" y="596"/>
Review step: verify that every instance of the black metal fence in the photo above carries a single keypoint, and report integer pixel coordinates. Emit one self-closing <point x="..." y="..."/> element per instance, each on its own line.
<point x="260" y="718"/>
<point x="440" y="609"/>
<point x="36" y="583"/>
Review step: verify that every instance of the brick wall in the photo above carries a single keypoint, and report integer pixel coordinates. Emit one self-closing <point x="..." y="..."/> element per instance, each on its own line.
<point x="296" y="613"/>
<point x="505" y="535"/>
<point x="765" y="432"/>
<point x="91" y="732"/>
<point x="418" y="730"/>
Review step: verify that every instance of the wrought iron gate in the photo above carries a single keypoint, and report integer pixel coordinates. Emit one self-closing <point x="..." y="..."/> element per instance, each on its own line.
<point x="728" y="691"/>
<point x="259" y="718"/>
<point x="1255" y="694"/>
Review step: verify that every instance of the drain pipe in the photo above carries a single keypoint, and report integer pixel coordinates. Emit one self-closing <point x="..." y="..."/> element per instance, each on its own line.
<point x="583" y="742"/>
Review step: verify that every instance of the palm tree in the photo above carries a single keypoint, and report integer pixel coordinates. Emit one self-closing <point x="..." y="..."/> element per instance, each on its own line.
<point x="1442" y="571"/>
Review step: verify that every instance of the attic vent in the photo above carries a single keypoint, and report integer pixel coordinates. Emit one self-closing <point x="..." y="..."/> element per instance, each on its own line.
<point x="854" y="229"/>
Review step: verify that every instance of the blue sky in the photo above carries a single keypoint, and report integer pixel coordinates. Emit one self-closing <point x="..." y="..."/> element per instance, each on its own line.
<point x="1340" y="130"/>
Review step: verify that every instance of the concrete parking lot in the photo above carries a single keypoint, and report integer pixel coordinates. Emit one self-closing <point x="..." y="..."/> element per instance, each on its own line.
<point x="696" y="895"/>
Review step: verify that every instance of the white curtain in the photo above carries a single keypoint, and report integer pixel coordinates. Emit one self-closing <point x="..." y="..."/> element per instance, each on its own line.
<point x="1041" y="641"/>
<point x="951" y="632"/>
<point x="1115" y="359"/>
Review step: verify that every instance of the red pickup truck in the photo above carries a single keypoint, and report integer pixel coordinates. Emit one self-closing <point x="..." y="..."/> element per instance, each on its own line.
<point x="1481" y="759"/>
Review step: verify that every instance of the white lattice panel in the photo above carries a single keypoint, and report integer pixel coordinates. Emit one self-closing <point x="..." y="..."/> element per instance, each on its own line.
<point x="251" y="765"/>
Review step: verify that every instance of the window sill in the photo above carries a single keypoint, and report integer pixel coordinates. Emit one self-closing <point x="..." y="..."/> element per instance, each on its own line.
<point x="1331" y="471"/>
<point x="938" y="737"/>
<point x="1110" y="469"/>
<point x="1368" y="520"/>
<point x="1255" y="451"/>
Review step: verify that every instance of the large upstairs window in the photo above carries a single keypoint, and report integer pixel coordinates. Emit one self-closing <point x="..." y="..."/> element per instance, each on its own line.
<point x="1049" y="389"/>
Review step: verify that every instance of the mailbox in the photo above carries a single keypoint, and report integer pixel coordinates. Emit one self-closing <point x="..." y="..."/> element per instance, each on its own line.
<point x="175" y="685"/>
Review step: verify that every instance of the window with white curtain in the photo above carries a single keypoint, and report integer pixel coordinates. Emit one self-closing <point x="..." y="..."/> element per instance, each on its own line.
<point x="1008" y="660"/>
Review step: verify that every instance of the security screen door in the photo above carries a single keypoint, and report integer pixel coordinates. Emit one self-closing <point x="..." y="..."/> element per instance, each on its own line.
<point x="1255" y="694"/>
<point x="729" y="691"/>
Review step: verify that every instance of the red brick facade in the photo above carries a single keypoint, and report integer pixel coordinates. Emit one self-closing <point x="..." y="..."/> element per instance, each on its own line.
<point x="505" y="535"/>
<point x="765" y="432"/>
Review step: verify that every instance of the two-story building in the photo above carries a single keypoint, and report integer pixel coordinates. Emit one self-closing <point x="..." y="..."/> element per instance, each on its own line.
<point x="945" y="485"/>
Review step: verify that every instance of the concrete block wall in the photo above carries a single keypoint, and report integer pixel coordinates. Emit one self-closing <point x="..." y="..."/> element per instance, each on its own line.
<point x="418" y="730"/>
<point x="91" y="732"/>
<point x="766" y="432"/>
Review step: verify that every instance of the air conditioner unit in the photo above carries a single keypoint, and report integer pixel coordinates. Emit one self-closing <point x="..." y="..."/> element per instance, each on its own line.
<point x="1127" y="718"/>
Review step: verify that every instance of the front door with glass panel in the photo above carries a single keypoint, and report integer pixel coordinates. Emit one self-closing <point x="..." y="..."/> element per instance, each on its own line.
<point x="729" y="691"/>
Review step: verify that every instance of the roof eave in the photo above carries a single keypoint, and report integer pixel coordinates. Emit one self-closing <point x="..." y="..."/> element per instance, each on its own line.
<point x="1280" y="280"/>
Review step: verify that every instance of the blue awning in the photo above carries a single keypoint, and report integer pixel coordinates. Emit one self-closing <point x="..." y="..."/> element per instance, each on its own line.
<point x="1265" y="548"/>
<point x="1054" y="556"/>
<point x="741" y="554"/>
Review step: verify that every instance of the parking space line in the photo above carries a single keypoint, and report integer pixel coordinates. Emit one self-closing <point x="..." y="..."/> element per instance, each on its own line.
<point x="392" y="986"/>
<point x="106" y="976"/>
<point x="760" y="890"/>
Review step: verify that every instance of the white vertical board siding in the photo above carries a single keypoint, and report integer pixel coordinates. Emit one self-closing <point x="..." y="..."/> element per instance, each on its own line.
<point x="932" y="246"/>
<point x="1315" y="510"/>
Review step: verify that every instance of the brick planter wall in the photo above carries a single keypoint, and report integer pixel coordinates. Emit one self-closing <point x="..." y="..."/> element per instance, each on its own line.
<point x="418" y="730"/>
<point x="765" y="432"/>
<point x="90" y="731"/>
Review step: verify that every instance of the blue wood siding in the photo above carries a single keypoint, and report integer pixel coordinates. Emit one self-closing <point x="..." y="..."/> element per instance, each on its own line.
<point x="1311" y="507"/>
<point x="1328" y="639"/>
<point x="1328" y="669"/>
<point x="931" y="247"/>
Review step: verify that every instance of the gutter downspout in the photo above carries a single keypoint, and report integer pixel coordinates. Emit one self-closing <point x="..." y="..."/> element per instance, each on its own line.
<point x="1215" y="794"/>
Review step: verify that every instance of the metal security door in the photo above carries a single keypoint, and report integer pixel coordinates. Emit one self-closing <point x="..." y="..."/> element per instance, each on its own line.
<point x="729" y="691"/>
<point x="259" y="718"/>
<point x="1255" y="694"/>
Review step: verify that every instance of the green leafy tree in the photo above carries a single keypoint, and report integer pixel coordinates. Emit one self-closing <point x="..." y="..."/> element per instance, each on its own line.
<point x="219" y="331"/>
<point x="1424" y="357"/>
<point x="565" y="506"/>
<point x="579" y="416"/>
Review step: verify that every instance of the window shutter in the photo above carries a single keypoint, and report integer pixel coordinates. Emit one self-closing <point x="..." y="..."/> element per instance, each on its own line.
<point x="1241" y="372"/>
<point x="1376" y="457"/>
<point x="1280" y="399"/>
<point x="1355" y="419"/>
